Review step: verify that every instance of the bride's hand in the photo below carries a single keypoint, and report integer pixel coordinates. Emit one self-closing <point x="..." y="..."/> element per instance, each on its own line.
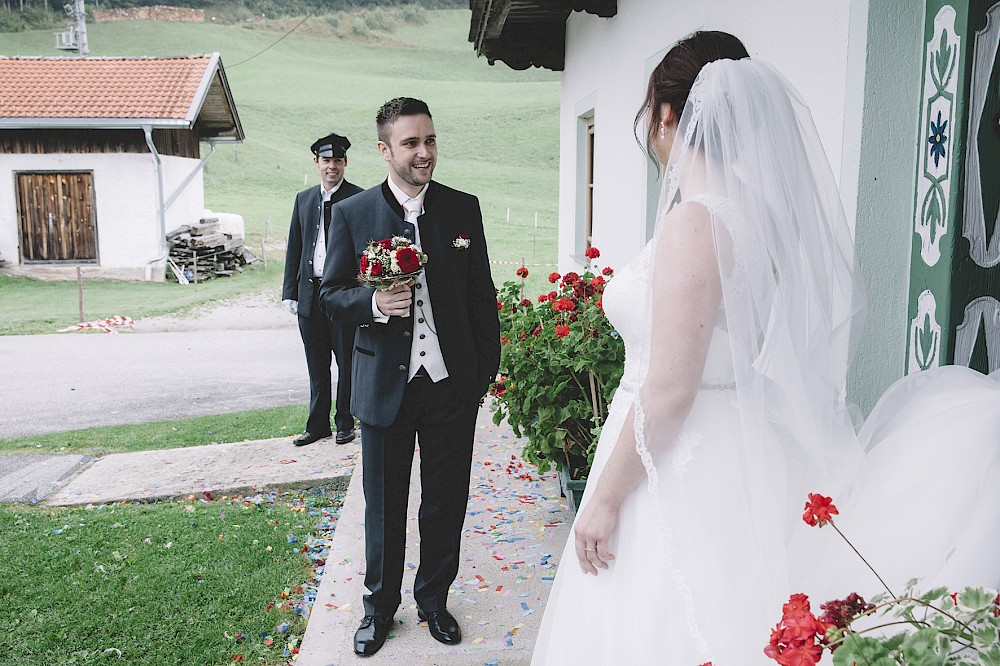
<point x="592" y="532"/>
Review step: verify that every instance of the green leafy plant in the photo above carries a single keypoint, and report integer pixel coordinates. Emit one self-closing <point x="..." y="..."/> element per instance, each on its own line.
<point x="560" y="364"/>
<point x="937" y="628"/>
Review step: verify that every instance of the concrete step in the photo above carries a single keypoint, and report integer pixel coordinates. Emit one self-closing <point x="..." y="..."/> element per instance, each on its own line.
<point x="33" y="477"/>
<point x="514" y="534"/>
<point x="219" y="469"/>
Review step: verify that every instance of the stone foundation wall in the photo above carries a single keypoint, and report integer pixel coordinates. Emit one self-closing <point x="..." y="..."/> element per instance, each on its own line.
<point x="156" y="13"/>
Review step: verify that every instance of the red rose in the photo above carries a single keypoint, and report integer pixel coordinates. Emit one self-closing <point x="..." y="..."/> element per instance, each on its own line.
<point x="385" y="243"/>
<point x="363" y="264"/>
<point x="562" y="330"/>
<point x="819" y="510"/>
<point x="464" y="237"/>
<point x="376" y="268"/>
<point x="521" y="272"/>
<point x="608" y="270"/>
<point x="592" y="253"/>
<point x="554" y="277"/>
<point x="408" y="260"/>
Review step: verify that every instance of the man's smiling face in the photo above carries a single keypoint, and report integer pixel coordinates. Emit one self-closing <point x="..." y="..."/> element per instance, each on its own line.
<point x="411" y="152"/>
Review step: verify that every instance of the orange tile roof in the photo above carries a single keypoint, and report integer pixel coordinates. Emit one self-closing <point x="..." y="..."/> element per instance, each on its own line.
<point x="105" y="88"/>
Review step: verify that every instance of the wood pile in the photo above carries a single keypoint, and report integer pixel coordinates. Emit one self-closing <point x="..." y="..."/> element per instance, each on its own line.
<point x="201" y="251"/>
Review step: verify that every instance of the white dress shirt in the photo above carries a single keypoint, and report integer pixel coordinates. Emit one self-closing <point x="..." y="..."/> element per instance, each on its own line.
<point x="319" y="254"/>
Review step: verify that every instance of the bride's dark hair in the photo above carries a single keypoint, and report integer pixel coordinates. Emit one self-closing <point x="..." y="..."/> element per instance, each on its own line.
<point x="672" y="79"/>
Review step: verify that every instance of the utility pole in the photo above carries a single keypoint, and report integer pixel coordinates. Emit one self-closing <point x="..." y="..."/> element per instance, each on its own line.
<point x="77" y="11"/>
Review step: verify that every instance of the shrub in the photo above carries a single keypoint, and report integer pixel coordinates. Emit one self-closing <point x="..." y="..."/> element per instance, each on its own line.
<point x="560" y="365"/>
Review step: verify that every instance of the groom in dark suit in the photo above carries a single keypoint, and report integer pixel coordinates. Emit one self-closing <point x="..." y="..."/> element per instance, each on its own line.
<point x="304" y="259"/>
<point x="425" y="354"/>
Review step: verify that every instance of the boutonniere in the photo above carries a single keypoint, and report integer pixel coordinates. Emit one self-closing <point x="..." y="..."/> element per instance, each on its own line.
<point x="462" y="242"/>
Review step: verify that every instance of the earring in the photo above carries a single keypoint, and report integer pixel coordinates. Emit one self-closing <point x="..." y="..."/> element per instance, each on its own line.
<point x="663" y="130"/>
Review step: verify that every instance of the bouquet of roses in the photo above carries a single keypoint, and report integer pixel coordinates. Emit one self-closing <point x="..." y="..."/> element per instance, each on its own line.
<point x="390" y="262"/>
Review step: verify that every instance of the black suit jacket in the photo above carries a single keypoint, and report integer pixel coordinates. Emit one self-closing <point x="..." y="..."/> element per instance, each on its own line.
<point x="459" y="282"/>
<point x="306" y="215"/>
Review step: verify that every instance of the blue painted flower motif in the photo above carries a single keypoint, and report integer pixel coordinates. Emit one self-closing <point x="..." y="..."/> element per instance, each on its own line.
<point x="938" y="138"/>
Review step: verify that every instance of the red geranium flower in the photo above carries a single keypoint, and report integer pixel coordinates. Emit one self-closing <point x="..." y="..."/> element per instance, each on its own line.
<point x="521" y="272"/>
<point x="570" y="278"/>
<point x="543" y="298"/>
<point x="553" y="296"/>
<point x="554" y="277"/>
<point x="562" y="330"/>
<point x="597" y="281"/>
<point x="794" y="639"/>
<point x="592" y="253"/>
<point x="608" y="270"/>
<point x="407" y="259"/>
<point x="819" y="510"/>
<point x="566" y="304"/>
<point x="499" y="306"/>
<point x="525" y="302"/>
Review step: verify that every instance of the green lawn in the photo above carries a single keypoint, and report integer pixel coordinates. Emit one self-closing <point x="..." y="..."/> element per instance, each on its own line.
<point x="196" y="431"/>
<point x="497" y="128"/>
<point x="191" y="582"/>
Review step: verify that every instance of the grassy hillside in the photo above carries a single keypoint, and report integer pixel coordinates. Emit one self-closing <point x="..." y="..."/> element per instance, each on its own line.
<point x="497" y="128"/>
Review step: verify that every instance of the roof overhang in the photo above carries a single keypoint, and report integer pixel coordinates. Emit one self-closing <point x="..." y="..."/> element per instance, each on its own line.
<point x="528" y="33"/>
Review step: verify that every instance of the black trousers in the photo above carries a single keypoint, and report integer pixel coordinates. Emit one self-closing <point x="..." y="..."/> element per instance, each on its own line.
<point x="323" y="340"/>
<point x="445" y="426"/>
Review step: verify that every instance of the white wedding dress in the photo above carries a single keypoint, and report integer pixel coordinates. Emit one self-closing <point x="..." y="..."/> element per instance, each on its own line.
<point x="708" y="550"/>
<point x="934" y="453"/>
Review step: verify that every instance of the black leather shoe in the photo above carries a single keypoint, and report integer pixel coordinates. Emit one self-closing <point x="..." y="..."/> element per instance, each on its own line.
<point x="443" y="625"/>
<point x="345" y="436"/>
<point x="308" y="438"/>
<point x="371" y="635"/>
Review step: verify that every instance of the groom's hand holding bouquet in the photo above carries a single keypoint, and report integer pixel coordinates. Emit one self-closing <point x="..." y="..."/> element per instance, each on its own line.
<point x="390" y="266"/>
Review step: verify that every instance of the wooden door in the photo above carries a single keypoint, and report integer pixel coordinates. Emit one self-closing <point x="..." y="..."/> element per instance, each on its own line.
<point x="57" y="217"/>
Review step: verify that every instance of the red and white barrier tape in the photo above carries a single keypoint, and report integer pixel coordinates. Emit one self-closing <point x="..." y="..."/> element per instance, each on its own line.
<point x="518" y="263"/>
<point x="109" y="325"/>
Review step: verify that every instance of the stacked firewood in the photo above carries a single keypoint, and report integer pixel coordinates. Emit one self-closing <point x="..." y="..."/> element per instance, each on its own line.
<point x="201" y="251"/>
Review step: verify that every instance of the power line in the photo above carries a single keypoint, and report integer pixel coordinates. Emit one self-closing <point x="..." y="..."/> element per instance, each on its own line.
<point x="275" y="42"/>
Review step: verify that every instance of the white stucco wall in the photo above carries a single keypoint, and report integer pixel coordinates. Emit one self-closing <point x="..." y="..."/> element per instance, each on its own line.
<point x="128" y="230"/>
<point x="606" y="62"/>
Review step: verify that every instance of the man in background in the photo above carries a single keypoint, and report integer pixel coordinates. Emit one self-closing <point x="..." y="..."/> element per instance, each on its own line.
<point x="304" y="259"/>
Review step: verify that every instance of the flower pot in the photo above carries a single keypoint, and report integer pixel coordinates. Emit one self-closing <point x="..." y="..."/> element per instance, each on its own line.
<point x="572" y="489"/>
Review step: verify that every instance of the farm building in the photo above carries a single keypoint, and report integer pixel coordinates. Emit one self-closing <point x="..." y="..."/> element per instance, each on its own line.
<point x="102" y="156"/>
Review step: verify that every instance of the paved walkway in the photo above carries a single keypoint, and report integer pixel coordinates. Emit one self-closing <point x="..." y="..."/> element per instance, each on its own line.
<point x="515" y="530"/>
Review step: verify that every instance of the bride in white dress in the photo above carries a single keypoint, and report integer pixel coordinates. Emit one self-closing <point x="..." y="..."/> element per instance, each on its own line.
<point x="731" y="407"/>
